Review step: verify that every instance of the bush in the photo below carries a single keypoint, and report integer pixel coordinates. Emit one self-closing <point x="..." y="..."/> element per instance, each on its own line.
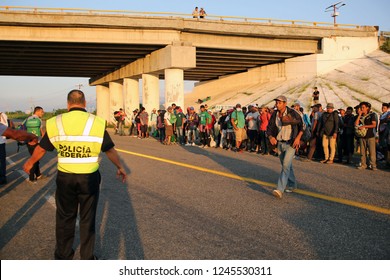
<point x="386" y="46"/>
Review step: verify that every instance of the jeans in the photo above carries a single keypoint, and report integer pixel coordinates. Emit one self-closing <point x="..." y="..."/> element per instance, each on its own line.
<point x="191" y="135"/>
<point x="121" y="125"/>
<point x="179" y="134"/>
<point x="223" y="141"/>
<point x="133" y="129"/>
<point x="161" y="131"/>
<point x="370" y="145"/>
<point x="286" y="156"/>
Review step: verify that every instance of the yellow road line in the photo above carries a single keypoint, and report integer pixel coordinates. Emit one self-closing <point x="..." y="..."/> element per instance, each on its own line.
<point x="267" y="184"/>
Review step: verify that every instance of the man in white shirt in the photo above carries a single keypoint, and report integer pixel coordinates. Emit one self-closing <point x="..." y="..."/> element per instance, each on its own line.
<point x="168" y="125"/>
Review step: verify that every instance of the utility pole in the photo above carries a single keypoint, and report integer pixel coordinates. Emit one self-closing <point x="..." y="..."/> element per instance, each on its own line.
<point x="333" y="8"/>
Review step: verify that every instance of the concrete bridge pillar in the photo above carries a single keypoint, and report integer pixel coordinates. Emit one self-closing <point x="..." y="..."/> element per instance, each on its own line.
<point x="131" y="96"/>
<point x="116" y="99"/>
<point x="174" y="87"/>
<point x="150" y="92"/>
<point x="103" y="102"/>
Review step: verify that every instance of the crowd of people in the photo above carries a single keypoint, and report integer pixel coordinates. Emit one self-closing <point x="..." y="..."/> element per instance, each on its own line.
<point x="330" y="135"/>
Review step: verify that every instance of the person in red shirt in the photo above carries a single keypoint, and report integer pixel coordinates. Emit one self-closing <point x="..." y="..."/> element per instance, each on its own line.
<point x="263" y="140"/>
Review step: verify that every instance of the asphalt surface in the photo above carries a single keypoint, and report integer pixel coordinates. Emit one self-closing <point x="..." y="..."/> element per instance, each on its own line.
<point x="193" y="203"/>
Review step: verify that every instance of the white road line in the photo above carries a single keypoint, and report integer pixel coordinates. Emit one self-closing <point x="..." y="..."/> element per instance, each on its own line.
<point x="10" y="161"/>
<point x="51" y="200"/>
<point x="23" y="174"/>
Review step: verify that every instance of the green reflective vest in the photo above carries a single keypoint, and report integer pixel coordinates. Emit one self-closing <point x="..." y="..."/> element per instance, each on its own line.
<point x="78" y="138"/>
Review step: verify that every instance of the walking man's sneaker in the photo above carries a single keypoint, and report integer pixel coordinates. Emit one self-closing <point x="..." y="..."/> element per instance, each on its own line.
<point x="290" y="190"/>
<point x="277" y="193"/>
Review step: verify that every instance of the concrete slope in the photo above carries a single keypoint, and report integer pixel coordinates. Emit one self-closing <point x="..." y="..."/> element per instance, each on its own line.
<point x="365" y="79"/>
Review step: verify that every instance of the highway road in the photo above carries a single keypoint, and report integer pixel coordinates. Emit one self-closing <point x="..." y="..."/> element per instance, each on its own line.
<point x="191" y="203"/>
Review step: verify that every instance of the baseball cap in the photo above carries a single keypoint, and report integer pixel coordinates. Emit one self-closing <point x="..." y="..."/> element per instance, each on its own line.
<point x="298" y="103"/>
<point x="191" y="108"/>
<point x="281" y="98"/>
<point x="330" y="106"/>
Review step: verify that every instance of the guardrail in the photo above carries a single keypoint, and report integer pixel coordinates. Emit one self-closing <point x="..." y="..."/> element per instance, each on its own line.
<point x="385" y="34"/>
<point x="173" y="14"/>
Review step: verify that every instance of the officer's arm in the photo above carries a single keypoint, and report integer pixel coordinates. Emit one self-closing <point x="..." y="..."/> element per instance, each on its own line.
<point x="20" y="135"/>
<point x="39" y="152"/>
<point x="114" y="157"/>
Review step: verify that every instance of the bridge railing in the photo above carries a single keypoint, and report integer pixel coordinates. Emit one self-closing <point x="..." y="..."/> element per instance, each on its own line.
<point x="175" y="15"/>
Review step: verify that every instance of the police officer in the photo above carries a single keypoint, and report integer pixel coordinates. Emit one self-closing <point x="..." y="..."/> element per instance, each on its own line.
<point x="78" y="138"/>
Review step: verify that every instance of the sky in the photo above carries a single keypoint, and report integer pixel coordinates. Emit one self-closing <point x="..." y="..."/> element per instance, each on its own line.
<point x="22" y="93"/>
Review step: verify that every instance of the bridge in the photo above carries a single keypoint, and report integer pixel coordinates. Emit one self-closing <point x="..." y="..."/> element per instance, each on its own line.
<point x="115" y="49"/>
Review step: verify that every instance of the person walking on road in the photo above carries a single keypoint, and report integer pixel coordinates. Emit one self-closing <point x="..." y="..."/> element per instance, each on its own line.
<point x="34" y="125"/>
<point x="285" y="130"/>
<point x="78" y="137"/>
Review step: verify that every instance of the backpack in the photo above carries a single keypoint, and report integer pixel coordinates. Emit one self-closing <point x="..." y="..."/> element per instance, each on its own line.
<point x="173" y="118"/>
<point x="116" y="116"/>
<point x="360" y="133"/>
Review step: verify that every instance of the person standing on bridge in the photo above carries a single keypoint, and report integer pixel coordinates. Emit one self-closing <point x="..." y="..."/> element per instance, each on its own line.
<point x="202" y="13"/>
<point x="195" y="13"/>
<point x="78" y="138"/>
<point x="285" y="130"/>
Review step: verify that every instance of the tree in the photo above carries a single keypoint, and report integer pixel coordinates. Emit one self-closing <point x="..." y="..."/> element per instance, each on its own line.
<point x="386" y="45"/>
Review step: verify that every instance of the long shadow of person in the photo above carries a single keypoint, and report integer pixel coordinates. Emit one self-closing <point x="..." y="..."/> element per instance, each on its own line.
<point x="118" y="237"/>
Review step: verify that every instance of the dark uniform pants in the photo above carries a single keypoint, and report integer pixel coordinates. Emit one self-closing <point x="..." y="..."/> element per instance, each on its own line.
<point x="74" y="190"/>
<point x="35" y="171"/>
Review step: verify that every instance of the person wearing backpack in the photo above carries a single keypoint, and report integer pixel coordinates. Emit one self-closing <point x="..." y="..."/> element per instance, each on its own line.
<point x="120" y="118"/>
<point x="160" y="125"/>
<point x="328" y="128"/>
<point x="238" y="122"/>
<point x="205" y="120"/>
<point x="192" y="126"/>
<point x="34" y="125"/>
<point x="366" y="120"/>
<point x="179" y="125"/>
